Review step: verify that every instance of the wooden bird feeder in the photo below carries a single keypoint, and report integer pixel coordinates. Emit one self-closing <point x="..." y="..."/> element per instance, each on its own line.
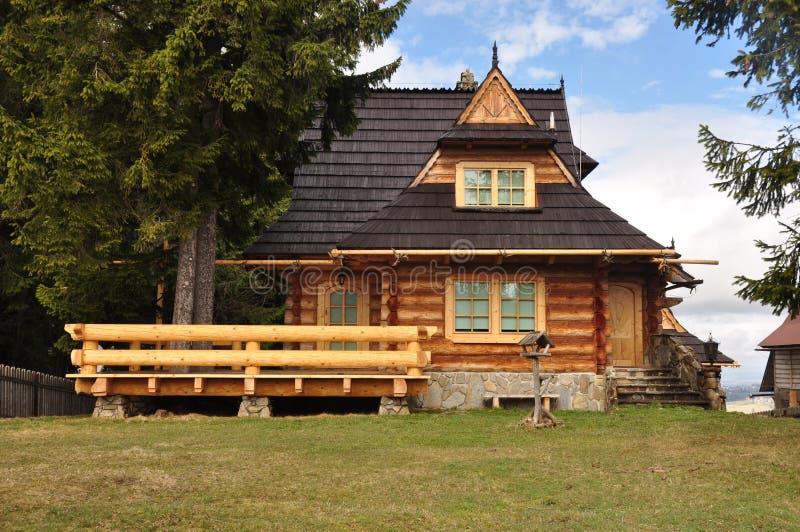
<point x="537" y="344"/>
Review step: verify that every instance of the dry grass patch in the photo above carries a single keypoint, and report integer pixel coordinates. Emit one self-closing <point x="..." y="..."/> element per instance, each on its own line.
<point x="642" y="468"/>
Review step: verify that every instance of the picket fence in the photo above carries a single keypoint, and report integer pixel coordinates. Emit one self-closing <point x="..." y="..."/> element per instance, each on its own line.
<point x="26" y="393"/>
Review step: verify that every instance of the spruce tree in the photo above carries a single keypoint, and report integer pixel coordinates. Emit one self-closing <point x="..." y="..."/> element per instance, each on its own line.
<point x="763" y="180"/>
<point x="129" y="123"/>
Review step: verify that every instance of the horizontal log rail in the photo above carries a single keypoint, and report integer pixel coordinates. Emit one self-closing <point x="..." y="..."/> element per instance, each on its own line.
<point x="245" y="368"/>
<point x="210" y="358"/>
<point x="103" y="332"/>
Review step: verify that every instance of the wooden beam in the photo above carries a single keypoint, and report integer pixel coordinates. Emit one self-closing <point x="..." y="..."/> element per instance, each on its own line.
<point x="361" y="386"/>
<point x="400" y="388"/>
<point x="688" y="261"/>
<point x="100" y="387"/>
<point x="509" y="252"/>
<point x="347" y="385"/>
<point x="199" y="384"/>
<point x="151" y="333"/>
<point x="255" y="359"/>
<point x="275" y="262"/>
<point x="425" y="169"/>
<point x="152" y="385"/>
<point x="298" y="385"/>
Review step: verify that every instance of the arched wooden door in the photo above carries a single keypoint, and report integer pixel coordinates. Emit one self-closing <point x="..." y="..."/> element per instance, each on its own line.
<point x="625" y="302"/>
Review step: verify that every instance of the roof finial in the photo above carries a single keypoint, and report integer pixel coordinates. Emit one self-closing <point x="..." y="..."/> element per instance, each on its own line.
<point x="494" y="55"/>
<point x="562" y="82"/>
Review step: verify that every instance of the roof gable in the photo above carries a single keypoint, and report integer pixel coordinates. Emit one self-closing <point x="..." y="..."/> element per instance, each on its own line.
<point x="495" y="102"/>
<point x="788" y="334"/>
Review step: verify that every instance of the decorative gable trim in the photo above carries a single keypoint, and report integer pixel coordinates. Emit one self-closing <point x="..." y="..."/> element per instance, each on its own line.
<point x="425" y="169"/>
<point x="564" y="170"/>
<point x="495" y="102"/>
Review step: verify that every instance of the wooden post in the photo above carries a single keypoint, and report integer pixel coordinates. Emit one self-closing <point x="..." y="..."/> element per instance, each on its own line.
<point x="250" y="383"/>
<point x="89" y="344"/>
<point x="135" y="345"/>
<point x="415" y="347"/>
<point x="236" y="346"/>
<point x="537" y="393"/>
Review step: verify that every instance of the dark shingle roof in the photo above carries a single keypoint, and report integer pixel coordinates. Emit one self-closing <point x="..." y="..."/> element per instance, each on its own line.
<point x="398" y="131"/>
<point x="424" y="217"/>
<point x="691" y="341"/>
<point x="498" y="133"/>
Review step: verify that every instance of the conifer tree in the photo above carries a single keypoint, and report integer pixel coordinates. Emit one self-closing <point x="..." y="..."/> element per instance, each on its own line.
<point x="129" y="123"/>
<point x="763" y="180"/>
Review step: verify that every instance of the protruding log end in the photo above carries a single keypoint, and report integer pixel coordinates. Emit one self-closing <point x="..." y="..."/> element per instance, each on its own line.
<point x="425" y="332"/>
<point x="76" y="357"/>
<point x="75" y="330"/>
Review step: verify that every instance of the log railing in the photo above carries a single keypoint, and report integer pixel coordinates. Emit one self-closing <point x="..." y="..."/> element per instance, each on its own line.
<point x="146" y="365"/>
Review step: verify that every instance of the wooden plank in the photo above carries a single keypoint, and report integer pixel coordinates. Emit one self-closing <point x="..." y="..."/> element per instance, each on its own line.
<point x="347" y="385"/>
<point x="152" y="385"/>
<point x="330" y="387"/>
<point x="400" y="388"/>
<point x="249" y="386"/>
<point x="199" y="384"/>
<point x="100" y="388"/>
<point x="298" y="385"/>
<point x="212" y="357"/>
<point x="244" y="333"/>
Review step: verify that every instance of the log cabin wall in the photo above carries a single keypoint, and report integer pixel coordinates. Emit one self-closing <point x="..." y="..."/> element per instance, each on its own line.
<point x="572" y="319"/>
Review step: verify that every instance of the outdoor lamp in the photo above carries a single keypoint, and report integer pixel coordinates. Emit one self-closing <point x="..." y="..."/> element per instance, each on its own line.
<point x="710" y="349"/>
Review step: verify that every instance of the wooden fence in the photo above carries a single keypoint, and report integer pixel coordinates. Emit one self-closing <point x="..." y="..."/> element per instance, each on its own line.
<point x="26" y="393"/>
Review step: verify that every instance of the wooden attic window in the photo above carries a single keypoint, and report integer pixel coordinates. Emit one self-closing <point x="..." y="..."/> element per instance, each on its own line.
<point x="495" y="184"/>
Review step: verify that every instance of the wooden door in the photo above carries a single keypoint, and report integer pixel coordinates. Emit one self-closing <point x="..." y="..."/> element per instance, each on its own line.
<point x="625" y="302"/>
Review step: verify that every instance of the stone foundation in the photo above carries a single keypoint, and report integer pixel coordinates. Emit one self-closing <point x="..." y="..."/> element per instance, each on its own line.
<point x="393" y="405"/>
<point x="253" y="406"/>
<point x="122" y="406"/>
<point x="463" y="390"/>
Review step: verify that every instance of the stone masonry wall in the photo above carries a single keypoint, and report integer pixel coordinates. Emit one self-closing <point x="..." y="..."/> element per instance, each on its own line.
<point x="464" y="390"/>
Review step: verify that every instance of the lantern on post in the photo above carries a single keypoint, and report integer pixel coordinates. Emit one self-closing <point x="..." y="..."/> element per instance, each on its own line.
<point x="711" y="349"/>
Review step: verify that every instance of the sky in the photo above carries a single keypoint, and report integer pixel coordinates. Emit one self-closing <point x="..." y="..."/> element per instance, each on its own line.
<point x="637" y="91"/>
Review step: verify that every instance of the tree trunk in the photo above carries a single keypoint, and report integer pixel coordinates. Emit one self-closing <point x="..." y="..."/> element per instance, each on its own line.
<point x="206" y="254"/>
<point x="183" y="308"/>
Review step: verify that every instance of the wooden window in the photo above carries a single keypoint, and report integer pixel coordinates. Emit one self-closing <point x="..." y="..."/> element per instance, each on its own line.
<point x="340" y="305"/>
<point x="472" y="307"/>
<point x="493" y="311"/>
<point x="517" y="307"/>
<point x="343" y="308"/>
<point x="495" y="184"/>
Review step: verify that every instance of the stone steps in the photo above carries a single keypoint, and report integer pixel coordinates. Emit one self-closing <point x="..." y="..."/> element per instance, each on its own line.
<point x="638" y="386"/>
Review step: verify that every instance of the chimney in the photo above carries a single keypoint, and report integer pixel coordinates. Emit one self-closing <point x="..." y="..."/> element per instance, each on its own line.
<point x="467" y="82"/>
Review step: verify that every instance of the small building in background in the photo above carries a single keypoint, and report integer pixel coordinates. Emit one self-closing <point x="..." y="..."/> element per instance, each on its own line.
<point x="782" y="374"/>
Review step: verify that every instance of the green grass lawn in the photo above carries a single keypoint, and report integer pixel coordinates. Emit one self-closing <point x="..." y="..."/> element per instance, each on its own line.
<point x="635" y="468"/>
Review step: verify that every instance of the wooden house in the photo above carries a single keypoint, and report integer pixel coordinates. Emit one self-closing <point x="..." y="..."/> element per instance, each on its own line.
<point x="782" y="374"/>
<point x="466" y="210"/>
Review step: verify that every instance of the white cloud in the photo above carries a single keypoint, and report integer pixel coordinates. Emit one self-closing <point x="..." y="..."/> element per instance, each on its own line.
<point x="424" y="73"/>
<point x="717" y="73"/>
<point x="651" y="84"/>
<point x="651" y="173"/>
<point x="443" y="7"/>
<point x="537" y="73"/>
<point x="532" y="27"/>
